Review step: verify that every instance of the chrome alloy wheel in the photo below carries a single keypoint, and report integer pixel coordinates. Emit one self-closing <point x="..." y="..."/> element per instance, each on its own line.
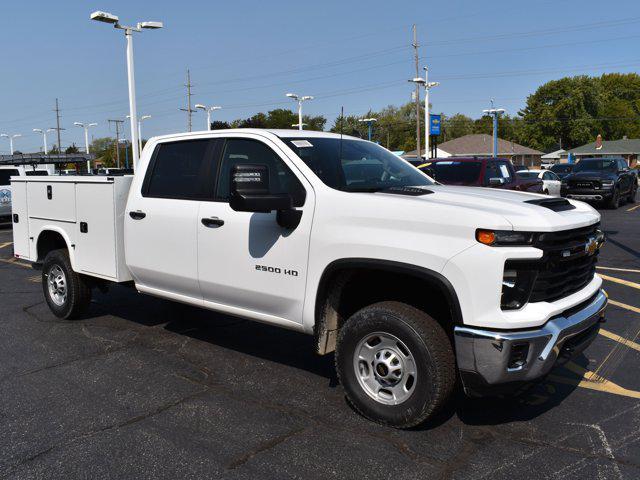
<point x="57" y="284"/>
<point x="385" y="368"/>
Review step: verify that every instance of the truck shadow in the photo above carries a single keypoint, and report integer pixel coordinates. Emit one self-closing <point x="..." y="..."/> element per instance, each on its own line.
<point x="296" y="350"/>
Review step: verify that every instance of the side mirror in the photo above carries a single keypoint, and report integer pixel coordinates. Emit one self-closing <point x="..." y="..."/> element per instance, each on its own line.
<point x="496" y="181"/>
<point x="249" y="192"/>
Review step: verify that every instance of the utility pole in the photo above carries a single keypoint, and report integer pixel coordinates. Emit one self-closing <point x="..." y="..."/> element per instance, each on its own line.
<point x="417" y="94"/>
<point x="189" y="110"/>
<point x="495" y="113"/>
<point x="57" y="127"/>
<point x="117" y="124"/>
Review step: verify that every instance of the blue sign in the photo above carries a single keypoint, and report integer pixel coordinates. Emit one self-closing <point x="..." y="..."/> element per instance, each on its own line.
<point x="434" y="124"/>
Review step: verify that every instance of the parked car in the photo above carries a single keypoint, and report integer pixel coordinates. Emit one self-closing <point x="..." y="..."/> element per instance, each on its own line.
<point x="479" y="172"/>
<point x="606" y="180"/>
<point x="550" y="181"/>
<point x="417" y="287"/>
<point x="562" y="169"/>
<point x="8" y="171"/>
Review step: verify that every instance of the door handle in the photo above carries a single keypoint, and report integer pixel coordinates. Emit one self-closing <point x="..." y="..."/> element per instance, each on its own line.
<point x="212" y="222"/>
<point x="137" y="215"/>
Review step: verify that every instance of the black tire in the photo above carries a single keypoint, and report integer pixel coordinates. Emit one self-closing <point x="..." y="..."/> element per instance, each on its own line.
<point x="614" y="201"/>
<point x="546" y="192"/>
<point x="632" y="195"/>
<point x="77" y="298"/>
<point x="428" y="346"/>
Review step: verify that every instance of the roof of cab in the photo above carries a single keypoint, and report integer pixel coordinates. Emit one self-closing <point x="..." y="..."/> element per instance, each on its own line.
<point x="281" y="133"/>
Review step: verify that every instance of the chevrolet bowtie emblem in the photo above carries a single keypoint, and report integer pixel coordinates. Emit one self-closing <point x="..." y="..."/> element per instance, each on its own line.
<point x="591" y="246"/>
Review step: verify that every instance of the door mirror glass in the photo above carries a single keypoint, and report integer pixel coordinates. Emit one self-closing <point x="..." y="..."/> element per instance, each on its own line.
<point x="249" y="191"/>
<point x="496" y="181"/>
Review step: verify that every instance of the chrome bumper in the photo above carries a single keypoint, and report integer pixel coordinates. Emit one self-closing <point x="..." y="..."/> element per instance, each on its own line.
<point x="489" y="358"/>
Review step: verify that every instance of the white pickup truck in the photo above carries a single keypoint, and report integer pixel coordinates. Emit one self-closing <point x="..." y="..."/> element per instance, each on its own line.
<point x="416" y="286"/>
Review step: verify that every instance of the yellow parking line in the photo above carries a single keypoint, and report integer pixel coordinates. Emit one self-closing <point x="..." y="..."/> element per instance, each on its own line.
<point x="633" y="208"/>
<point x="624" y="341"/>
<point x="5" y="244"/>
<point x="13" y="261"/>
<point x="624" y="305"/>
<point x="631" y="270"/>
<point x="592" y="381"/>
<point x="620" y="281"/>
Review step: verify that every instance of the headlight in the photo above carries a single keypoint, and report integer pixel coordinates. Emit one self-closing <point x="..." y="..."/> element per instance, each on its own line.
<point x="517" y="284"/>
<point x="607" y="183"/>
<point x="503" y="237"/>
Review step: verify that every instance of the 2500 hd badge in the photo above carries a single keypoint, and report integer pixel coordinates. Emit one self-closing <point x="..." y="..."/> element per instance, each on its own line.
<point x="285" y="271"/>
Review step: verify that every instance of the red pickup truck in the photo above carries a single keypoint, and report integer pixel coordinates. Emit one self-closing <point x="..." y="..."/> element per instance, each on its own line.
<point x="479" y="172"/>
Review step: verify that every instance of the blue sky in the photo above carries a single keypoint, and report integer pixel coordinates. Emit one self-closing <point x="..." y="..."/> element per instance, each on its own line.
<point x="246" y="55"/>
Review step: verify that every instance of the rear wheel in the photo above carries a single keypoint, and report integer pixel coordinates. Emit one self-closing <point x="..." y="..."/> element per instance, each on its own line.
<point x="396" y="364"/>
<point x="66" y="292"/>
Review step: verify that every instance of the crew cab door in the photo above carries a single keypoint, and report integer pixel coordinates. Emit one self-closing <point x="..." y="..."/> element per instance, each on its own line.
<point x="552" y="183"/>
<point x="161" y="221"/>
<point x="247" y="263"/>
<point x="625" y="175"/>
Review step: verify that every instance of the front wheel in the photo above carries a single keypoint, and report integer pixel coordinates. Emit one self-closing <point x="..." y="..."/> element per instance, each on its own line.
<point x="396" y="364"/>
<point x="66" y="292"/>
<point x="632" y="195"/>
<point x="614" y="201"/>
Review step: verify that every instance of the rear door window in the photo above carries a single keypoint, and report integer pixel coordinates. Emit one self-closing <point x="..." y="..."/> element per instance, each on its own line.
<point x="181" y="170"/>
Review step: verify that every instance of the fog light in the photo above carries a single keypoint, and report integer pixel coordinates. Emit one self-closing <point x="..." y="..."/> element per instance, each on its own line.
<point x="518" y="356"/>
<point x="517" y="284"/>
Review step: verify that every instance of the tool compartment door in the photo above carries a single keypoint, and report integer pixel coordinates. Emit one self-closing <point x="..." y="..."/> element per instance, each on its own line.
<point x="51" y="200"/>
<point x="96" y="232"/>
<point x="20" y="218"/>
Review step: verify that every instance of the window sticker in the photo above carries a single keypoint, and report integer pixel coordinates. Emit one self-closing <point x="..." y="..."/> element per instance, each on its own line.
<point x="504" y="170"/>
<point x="302" y="143"/>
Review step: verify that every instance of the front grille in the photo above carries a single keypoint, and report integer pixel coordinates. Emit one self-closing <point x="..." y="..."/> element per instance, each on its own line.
<point x="589" y="184"/>
<point x="566" y="265"/>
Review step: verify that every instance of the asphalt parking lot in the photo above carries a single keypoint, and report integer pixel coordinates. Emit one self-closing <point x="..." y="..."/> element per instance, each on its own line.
<point x="144" y="388"/>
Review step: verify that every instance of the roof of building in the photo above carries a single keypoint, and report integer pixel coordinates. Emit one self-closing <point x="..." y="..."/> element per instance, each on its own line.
<point x="553" y="155"/>
<point x="481" y="144"/>
<point x="624" y="146"/>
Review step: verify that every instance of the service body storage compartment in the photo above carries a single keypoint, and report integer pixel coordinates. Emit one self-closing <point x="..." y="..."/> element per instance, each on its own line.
<point x="87" y="211"/>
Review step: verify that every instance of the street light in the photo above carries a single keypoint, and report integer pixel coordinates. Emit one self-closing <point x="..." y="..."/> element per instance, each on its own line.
<point x="369" y="122"/>
<point x="10" y="137"/>
<point x="427" y="123"/>
<point x="106" y="17"/>
<point x="208" y="110"/>
<point x="86" y="127"/>
<point x="300" y="100"/>
<point x="140" y="120"/>
<point x="44" y="136"/>
<point x="495" y="113"/>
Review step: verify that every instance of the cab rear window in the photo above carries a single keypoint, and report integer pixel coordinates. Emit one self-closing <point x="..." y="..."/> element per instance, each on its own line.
<point x="5" y="176"/>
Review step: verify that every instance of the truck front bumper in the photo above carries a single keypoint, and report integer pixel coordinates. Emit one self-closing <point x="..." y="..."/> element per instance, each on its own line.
<point x="490" y="360"/>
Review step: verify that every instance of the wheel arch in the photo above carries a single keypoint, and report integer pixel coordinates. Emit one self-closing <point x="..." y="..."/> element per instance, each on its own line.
<point x="53" y="238"/>
<point x="330" y="311"/>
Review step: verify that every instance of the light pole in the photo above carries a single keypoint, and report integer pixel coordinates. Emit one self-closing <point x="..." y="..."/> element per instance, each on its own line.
<point x="86" y="127"/>
<point x="208" y="110"/>
<point x="44" y="136"/>
<point x="369" y="122"/>
<point x="140" y="120"/>
<point x="128" y="33"/>
<point x="300" y="100"/>
<point x="10" y="137"/>
<point x="427" y="124"/>
<point x="495" y="113"/>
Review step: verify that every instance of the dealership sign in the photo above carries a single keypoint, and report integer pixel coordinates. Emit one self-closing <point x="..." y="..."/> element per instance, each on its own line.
<point x="434" y="124"/>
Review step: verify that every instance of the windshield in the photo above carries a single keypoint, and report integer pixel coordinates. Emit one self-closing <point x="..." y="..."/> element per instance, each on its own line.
<point x="599" y="164"/>
<point x="455" y="172"/>
<point x="5" y="174"/>
<point x="525" y="174"/>
<point x="355" y="165"/>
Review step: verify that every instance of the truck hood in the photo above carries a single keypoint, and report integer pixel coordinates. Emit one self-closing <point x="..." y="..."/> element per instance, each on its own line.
<point x="511" y="206"/>
<point x="591" y="175"/>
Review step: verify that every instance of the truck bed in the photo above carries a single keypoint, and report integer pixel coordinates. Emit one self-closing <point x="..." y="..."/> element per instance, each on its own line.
<point x="88" y="212"/>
